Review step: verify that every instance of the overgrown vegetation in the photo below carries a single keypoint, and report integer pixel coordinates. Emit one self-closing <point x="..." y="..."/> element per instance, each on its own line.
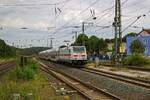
<point x="27" y="72"/>
<point x="26" y="83"/>
<point x="136" y="60"/>
<point x="37" y="89"/>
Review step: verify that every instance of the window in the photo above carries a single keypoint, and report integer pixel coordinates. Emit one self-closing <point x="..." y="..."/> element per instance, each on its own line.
<point x="79" y="49"/>
<point x="149" y="50"/>
<point x="145" y="41"/>
<point x="146" y="51"/>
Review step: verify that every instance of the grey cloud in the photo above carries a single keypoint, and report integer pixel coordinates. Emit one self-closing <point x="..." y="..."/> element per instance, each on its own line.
<point x="40" y="17"/>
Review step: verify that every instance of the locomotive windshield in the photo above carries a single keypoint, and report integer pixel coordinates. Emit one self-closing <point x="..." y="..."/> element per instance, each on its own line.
<point x="78" y="49"/>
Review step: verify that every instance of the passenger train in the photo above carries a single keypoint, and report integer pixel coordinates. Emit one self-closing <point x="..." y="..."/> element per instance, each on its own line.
<point x="71" y="54"/>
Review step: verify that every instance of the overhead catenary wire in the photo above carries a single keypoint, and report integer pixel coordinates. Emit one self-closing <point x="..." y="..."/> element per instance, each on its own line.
<point x="40" y="4"/>
<point x="131" y="24"/>
<point x="78" y="14"/>
<point x="133" y="4"/>
<point x="107" y="12"/>
<point x="65" y="27"/>
<point x="48" y="4"/>
<point x="109" y="9"/>
<point x="103" y="27"/>
<point x="143" y="15"/>
<point x="81" y="13"/>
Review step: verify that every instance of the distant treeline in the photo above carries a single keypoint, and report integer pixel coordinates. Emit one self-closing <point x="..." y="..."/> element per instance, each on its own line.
<point x="32" y="50"/>
<point x="9" y="51"/>
<point x="6" y="50"/>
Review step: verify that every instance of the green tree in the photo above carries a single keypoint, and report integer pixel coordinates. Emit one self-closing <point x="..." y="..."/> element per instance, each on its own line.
<point x="137" y="47"/>
<point x="93" y="44"/>
<point x="109" y="40"/>
<point x="82" y="40"/>
<point x="102" y="45"/>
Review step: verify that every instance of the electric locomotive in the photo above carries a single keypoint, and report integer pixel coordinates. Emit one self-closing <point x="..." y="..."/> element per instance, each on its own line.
<point x="71" y="54"/>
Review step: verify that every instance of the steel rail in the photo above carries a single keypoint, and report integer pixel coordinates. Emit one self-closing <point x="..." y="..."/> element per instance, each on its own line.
<point x="139" y="68"/>
<point x="94" y="88"/>
<point x="4" y="67"/>
<point x="123" y="78"/>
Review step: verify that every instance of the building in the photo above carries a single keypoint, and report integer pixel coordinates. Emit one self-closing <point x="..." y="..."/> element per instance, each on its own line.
<point x="144" y="37"/>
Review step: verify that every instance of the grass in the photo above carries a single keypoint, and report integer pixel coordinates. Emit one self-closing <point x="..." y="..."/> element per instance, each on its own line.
<point x="39" y="88"/>
<point x="36" y="88"/>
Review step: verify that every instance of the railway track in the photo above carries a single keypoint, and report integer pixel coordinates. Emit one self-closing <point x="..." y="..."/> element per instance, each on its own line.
<point x="122" y="78"/>
<point x="87" y="90"/>
<point x="129" y="67"/>
<point x="4" y="67"/>
<point x="139" y="68"/>
<point x="121" y="89"/>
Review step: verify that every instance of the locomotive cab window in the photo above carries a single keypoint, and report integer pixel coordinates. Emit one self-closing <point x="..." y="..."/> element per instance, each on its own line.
<point x="79" y="49"/>
<point x="69" y="51"/>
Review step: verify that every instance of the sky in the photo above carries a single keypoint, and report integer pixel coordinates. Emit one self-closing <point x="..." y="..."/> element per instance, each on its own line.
<point x="25" y="23"/>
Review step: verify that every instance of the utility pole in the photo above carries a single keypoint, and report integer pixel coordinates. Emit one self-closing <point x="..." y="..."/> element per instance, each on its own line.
<point x="83" y="30"/>
<point x="118" y="33"/>
<point x="83" y="27"/>
<point x="51" y="42"/>
<point x="76" y="35"/>
<point x="83" y="33"/>
<point x="67" y="42"/>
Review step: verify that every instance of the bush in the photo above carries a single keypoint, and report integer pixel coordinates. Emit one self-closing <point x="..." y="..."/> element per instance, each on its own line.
<point x="27" y="72"/>
<point x="136" y="60"/>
